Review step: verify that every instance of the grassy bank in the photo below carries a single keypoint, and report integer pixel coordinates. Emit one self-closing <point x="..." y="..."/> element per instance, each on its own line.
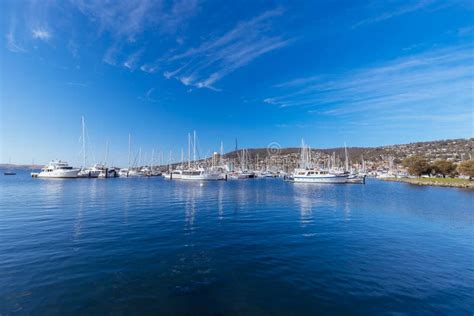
<point x="443" y="182"/>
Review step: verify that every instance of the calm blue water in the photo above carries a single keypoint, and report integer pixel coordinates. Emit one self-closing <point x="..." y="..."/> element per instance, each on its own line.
<point x="255" y="247"/>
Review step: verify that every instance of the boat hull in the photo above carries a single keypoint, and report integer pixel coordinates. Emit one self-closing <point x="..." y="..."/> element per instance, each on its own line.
<point x="174" y="176"/>
<point x="69" y="174"/>
<point x="320" y="179"/>
<point x="202" y="177"/>
<point x="88" y="174"/>
<point x="356" y="179"/>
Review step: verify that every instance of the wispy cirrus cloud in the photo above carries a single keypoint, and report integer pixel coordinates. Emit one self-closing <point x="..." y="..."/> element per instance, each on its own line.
<point x="123" y="19"/>
<point x="215" y="58"/>
<point x="126" y="22"/>
<point x="132" y="60"/>
<point x="438" y="82"/>
<point x="41" y="33"/>
<point x="12" y="44"/>
<point x="77" y="84"/>
<point x="401" y="8"/>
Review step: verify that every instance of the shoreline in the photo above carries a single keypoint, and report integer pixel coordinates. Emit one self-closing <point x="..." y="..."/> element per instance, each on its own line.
<point x="437" y="182"/>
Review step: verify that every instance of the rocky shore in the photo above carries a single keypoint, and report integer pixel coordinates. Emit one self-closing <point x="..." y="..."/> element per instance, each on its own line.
<point x="441" y="182"/>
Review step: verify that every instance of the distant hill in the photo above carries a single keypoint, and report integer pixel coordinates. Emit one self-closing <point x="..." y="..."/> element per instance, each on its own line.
<point x="452" y="149"/>
<point x="6" y="166"/>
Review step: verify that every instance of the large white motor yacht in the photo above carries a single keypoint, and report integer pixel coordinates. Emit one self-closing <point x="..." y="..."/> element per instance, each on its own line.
<point x="199" y="174"/>
<point x="317" y="176"/>
<point x="58" y="169"/>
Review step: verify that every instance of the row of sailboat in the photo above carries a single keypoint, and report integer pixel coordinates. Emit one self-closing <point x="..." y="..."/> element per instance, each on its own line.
<point x="199" y="170"/>
<point x="194" y="171"/>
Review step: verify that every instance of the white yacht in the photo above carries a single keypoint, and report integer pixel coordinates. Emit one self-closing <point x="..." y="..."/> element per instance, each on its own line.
<point x="92" y="172"/>
<point x="129" y="173"/>
<point x="123" y="173"/>
<point x="105" y="172"/>
<point x="194" y="171"/>
<point x="307" y="173"/>
<point x="356" y="178"/>
<point x="318" y="176"/>
<point x="135" y="173"/>
<point x="239" y="175"/>
<point x="58" y="169"/>
<point x="199" y="174"/>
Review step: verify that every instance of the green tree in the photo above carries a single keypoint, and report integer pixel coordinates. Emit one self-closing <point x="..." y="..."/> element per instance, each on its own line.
<point x="416" y="165"/>
<point x="444" y="167"/>
<point x="467" y="168"/>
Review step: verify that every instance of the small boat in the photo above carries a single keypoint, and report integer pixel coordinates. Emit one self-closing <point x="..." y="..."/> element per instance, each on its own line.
<point x="9" y="173"/>
<point x="356" y="179"/>
<point x="267" y="174"/>
<point x="129" y="173"/>
<point x="58" y="169"/>
<point x="135" y="173"/>
<point x="123" y="173"/>
<point x="105" y="172"/>
<point x="239" y="175"/>
<point x="173" y="175"/>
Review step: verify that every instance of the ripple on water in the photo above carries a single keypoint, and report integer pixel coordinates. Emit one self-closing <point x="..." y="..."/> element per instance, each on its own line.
<point x="236" y="247"/>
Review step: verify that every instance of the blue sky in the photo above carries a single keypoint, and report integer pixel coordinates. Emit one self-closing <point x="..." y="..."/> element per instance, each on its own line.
<point x="366" y="73"/>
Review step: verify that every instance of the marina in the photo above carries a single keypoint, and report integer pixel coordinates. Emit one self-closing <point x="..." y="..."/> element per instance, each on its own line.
<point x="221" y="158"/>
<point x="211" y="169"/>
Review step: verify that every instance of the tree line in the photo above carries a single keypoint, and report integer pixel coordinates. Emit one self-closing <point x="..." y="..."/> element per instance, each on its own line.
<point x="419" y="166"/>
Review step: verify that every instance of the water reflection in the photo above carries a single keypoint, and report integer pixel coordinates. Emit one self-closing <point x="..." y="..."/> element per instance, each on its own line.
<point x="52" y="191"/>
<point x="220" y="205"/>
<point x="176" y="250"/>
<point x="307" y="197"/>
<point x="78" y="220"/>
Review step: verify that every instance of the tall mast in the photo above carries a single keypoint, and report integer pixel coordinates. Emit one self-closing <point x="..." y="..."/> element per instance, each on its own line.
<point x="83" y="143"/>
<point x="152" y="158"/>
<point x="221" y="162"/>
<point x="347" y="158"/>
<point x="106" y="152"/>
<point x="129" y="148"/>
<point x="139" y="156"/>
<point x="189" y="151"/>
<point x="194" y="149"/>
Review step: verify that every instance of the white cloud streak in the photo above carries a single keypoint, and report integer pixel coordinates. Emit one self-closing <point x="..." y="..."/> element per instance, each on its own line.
<point x="438" y="81"/>
<point x="41" y="34"/>
<point x="126" y="22"/>
<point x="128" y="19"/>
<point x="216" y="58"/>
<point x="394" y="12"/>
<point x="12" y="44"/>
<point x="132" y="60"/>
